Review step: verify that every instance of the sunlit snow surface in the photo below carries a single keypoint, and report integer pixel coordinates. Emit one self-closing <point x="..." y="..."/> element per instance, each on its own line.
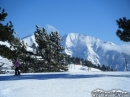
<point x="77" y="82"/>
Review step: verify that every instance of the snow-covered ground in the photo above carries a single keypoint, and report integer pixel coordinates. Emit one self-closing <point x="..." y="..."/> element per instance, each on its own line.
<point x="77" y="82"/>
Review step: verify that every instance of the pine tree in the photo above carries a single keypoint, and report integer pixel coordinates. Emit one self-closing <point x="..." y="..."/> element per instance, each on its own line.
<point x="6" y="35"/>
<point x="103" y="68"/>
<point x="17" y="49"/>
<point x="50" y="50"/>
<point x="98" y="66"/>
<point x="124" y="29"/>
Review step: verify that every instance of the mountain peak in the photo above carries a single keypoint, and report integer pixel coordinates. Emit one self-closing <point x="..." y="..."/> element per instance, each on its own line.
<point x="31" y="35"/>
<point x="30" y="39"/>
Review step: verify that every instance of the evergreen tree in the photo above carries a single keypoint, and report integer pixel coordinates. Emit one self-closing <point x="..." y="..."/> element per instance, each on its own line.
<point x="103" y="68"/>
<point x="68" y="59"/>
<point x="77" y="60"/>
<point x="50" y="50"/>
<point x="72" y="59"/>
<point x="98" y="66"/>
<point x="17" y="49"/>
<point x="6" y="35"/>
<point x="88" y="63"/>
<point x="124" y="29"/>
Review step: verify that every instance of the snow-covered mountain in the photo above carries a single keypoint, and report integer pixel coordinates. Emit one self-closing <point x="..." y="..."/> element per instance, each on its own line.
<point x="95" y="50"/>
<point x="29" y="40"/>
<point x="92" y="49"/>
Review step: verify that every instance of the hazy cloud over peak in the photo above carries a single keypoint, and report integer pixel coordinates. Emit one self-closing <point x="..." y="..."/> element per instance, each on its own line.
<point x="51" y="28"/>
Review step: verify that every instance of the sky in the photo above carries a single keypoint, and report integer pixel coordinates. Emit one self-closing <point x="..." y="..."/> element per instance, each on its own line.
<point x="96" y="18"/>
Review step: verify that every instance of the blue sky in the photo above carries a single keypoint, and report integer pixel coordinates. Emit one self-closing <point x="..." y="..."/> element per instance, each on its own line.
<point x="96" y="18"/>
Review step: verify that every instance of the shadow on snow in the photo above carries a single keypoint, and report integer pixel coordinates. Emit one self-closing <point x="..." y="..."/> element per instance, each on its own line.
<point x="54" y="76"/>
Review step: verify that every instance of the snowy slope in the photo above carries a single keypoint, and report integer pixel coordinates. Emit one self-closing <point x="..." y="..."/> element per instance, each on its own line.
<point x="65" y="84"/>
<point x="80" y="68"/>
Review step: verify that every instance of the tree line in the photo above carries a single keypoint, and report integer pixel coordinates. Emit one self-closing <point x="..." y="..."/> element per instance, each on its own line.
<point x="89" y="64"/>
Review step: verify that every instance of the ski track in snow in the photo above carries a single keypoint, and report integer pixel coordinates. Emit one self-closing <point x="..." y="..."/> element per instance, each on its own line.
<point x="78" y="82"/>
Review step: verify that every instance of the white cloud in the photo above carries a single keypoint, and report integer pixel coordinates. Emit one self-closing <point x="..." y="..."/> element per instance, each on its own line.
<point x="110" y="47"/>
<point x="122" y="48"/>
<point x="51" y="28"/>
<point x="125" y="48"/>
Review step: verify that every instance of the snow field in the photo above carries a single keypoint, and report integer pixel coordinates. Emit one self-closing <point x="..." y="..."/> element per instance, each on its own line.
<point x="75" y="83"/>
